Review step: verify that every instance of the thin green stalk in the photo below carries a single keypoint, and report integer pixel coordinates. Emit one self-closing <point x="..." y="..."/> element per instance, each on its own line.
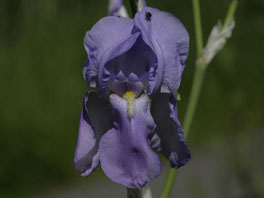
<point x="196" y="87"/>
<point x="194" y="96"/>
<point x="198" y="26"/>
<point x="197" y="83"/>
<point x="134" y="193"/>
<point x="231" y="12"/>
<point x="169" y="182"/>
<point x="195" y="92"/>
<point x="199" y="75"/>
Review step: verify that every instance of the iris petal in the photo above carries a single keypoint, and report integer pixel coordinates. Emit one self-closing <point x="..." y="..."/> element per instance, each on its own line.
<point x="169" y="39"/>
<point x="102" y="44"/>
<point x="125" y="153"/>
<point x="138" y="59"/>
<point x="96" y="119"/>
<point x="169" y="130"/>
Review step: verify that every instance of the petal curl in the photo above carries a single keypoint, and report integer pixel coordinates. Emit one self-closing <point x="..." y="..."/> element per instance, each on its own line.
<point x="96" y="118"/>
<point x="168" y="38"/>
<point x="169" y="130"/>
<point x="125" y="153"/>
<point x="138" y="60"/>
<point x="102" y="44"/>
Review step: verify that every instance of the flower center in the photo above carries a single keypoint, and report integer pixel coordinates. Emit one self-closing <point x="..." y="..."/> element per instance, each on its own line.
<point x="130" y="97"/>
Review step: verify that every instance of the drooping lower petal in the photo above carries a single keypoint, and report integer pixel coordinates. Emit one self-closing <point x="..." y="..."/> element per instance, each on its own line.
<point x="125" y="153"/>
<point x="96" y="118"/>
<point x="169" y="130"/>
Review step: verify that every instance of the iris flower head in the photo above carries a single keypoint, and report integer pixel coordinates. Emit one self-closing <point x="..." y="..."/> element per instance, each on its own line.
<point x="135" y="66"/>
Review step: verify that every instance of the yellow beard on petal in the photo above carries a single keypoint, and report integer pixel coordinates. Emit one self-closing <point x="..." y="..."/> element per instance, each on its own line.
<point x="130" y="97"/>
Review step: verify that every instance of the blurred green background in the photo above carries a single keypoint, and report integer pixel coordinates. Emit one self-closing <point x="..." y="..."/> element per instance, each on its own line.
<point x="41" y="88"/>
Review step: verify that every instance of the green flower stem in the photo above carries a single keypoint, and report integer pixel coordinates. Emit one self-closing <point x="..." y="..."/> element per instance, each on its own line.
<point x="134" y="193"/>
<point x="198" y="26"/>
<point x="195" y="92"/>
<point x="133" y="6"/>
<point x="170" y="180"/>
<point x="231" y="12"/>
<point x="197" y="83"/>
<point x="194" y="96"/>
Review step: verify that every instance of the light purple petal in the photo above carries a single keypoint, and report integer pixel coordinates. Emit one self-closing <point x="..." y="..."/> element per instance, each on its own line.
<point x="102" y="44"/>
<point x="96" y="119"/>
<point x="169" y="39"/>
<point x="125" y="153"/>
<point x="169" y="130"/>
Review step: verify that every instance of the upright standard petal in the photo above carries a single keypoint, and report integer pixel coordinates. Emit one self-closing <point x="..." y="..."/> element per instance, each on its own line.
<point x="138" y="60"/>
<point x="102" y="44"/>
<point x="169" y="130"/>
<point x="125" y="153"/>
<point x="96" y="119"/>
<point x="168" y="38"/>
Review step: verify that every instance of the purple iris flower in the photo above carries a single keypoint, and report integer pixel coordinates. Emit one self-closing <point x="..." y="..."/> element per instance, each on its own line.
<point x="136" y="65"/>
